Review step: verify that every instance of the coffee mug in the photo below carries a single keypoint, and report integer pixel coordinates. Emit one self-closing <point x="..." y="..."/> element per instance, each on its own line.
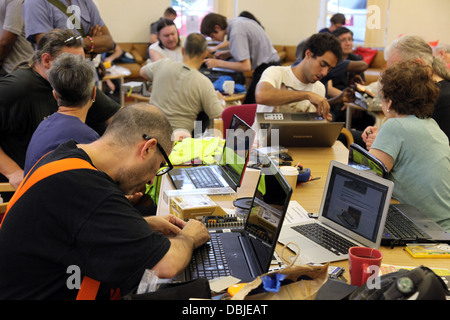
<point x="363" y="263"/>
<point x="290" y="174"/>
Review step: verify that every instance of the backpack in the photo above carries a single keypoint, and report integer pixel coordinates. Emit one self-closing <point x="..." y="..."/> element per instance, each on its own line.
<point x="420" y="283"/>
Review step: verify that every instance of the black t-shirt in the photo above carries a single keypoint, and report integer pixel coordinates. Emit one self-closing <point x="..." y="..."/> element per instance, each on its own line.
<point x="25" y="100"/>
<point x="442" y="107"/>
<point x="75" y="218"/>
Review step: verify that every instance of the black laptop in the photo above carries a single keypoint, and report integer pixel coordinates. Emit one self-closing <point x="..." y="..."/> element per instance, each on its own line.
<point x="297" y="130"/>
<point x="230" y="170"/>
<point x="404" y="223"/>
<point x="245" y="254"/>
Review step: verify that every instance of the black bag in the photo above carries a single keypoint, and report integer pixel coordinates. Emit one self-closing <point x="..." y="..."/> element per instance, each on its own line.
<point x="420" y="283"/>
<point x="198" y="288"/>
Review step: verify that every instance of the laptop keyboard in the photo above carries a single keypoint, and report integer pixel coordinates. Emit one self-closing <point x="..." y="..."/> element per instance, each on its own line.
<point x="203" y="177"/>
<point x="208" y="261"/>
<point x="401" y="227"/>
<point x="325" y="238"/>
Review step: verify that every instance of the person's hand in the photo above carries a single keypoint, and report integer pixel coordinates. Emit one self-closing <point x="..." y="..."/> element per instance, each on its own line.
<point x="211" y="63"/>
<point x="15" y="179"/>
<point x="197" y="231"/>
<point x="95" y="31"/>
<point x="322" y="105"/>
<point x="348" y="95"/>
<point x="168" y="225"/>
<point x="134" y="198"/>
<point x="369" y="134"/>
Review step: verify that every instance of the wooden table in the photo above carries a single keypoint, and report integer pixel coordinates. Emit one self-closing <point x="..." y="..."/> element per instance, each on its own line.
<point x="309" y="196"/>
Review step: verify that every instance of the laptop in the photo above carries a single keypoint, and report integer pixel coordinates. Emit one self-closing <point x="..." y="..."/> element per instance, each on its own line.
<point x="405" y="223"/>
<point x="352" y="213"/>
<point x="247" y="253"/>
<point x="230" y="169"/>
<point x="297" y="130"/>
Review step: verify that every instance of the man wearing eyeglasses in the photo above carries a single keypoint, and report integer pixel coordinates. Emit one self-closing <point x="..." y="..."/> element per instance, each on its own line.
<point x="26" y="99"/>
<point x="87" y="221"/>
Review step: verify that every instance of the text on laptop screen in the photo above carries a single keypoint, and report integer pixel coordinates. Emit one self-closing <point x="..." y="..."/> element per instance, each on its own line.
<point x="238" y="141"/>
<point x="266" y="216"/>
<point x="355" y="203"/>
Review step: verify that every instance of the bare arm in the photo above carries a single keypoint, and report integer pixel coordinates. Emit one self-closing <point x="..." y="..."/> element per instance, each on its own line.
<point x="266" y="94"/>
<point x="387" y="160"/>
<point x="193" y="235"/>
<point x="10" y="169"/>
<point x="241" y="66"/>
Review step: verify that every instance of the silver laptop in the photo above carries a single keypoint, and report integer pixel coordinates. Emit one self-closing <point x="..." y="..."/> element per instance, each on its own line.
<point x="230" y="170"/>
<point x="405" y="223"/>
<point x="247" y="253"/>
<point x="297" y="129"/>
<point x="353" y="213"/>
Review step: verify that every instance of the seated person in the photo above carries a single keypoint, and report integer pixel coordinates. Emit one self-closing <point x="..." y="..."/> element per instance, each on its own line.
<point x="169" y="13"/>
<point x="181" y="91"/>
<point x="73" y="82"/>
<point x="168" y="44"/>
<point x="297" y="88"/>
<point x="89" y="223"/>
<point x="337" y="20"/>
<point x="348" y="71"/>
<point x="442" y="51"/>
<point x="410" y="47"/>
<point x="411" y="145"/>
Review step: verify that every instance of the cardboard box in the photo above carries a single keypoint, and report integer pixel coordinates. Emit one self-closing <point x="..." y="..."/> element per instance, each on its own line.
<point x="194" y="207"/>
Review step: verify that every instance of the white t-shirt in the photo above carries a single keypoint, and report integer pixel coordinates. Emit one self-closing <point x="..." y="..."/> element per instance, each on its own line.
<point x="283" y="78"/>
<point x="175" y="54"/>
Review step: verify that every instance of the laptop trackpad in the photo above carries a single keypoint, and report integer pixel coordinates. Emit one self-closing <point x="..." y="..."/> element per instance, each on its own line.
<point x="235" y="256"/>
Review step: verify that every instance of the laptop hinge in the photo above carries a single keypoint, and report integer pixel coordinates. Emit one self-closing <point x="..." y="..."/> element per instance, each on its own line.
<point x="252" y="261"/>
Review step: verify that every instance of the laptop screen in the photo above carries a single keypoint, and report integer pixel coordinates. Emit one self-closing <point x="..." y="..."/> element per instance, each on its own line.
<point x="355" y="202"/>
<point x="269" y="206"/>
<point x="238" y="142"/>
<point x="361" y="159"/>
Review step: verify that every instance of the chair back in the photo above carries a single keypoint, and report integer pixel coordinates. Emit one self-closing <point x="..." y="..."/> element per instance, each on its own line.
<point x="245" y="111"/>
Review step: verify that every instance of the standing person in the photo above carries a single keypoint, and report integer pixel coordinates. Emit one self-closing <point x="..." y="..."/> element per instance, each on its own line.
<point x="14" y="48"/>
<point x="73" y="81"/>
<point x="181" y="91"/>
<point x="169" y="13"/>
<point x="81" y="16"/>
<point x="87" y="223"/>
<point x="26" y="99"/>
<point x="410" y="141"/>
<point x="249" y="47"/>
<point x="168" y="44"/>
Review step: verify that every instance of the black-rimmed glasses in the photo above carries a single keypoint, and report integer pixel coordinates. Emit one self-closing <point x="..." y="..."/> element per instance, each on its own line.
<point x="164" y="168"/>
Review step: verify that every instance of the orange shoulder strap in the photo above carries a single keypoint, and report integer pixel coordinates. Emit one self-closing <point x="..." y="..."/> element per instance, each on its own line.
<point x="89" y="287"/>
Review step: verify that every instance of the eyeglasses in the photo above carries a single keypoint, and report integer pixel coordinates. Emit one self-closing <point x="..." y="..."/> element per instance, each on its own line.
<point x="164" y="168"/>
<point x="72" y="40"/>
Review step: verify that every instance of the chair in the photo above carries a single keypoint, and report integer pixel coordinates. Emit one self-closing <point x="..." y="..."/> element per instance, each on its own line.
<point x="5" y="187"/>
<point x="348" y="137"/>
<point x="245" y="111"/>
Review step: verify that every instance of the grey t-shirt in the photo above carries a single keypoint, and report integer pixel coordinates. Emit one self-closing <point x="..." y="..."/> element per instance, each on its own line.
<point x="182" y="92"/>
<point x="248" y="40"/>
<point x="11" y="20"/>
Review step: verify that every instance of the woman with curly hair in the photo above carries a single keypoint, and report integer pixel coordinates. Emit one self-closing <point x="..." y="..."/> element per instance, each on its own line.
<point x="410" y="143"/>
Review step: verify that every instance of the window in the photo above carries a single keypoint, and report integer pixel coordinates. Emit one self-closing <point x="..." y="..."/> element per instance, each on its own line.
<point x="190" y="14"/>
<point x="355" y="12"/>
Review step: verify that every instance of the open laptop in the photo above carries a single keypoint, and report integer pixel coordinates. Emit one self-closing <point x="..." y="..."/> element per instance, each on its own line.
<point x="352" y="213"/>
<point x="230" y="170"/>
<point x="405" y="223"/>
<point x="247" y="253"/>
<point x="297" y="129"/>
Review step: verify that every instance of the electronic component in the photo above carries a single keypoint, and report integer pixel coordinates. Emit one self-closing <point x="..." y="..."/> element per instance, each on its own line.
<point x="219" y="223"/>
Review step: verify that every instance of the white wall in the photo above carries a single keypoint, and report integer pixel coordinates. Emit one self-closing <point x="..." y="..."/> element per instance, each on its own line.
<point x="286" y="21"/>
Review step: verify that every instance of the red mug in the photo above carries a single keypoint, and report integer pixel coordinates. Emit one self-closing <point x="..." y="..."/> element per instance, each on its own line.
<point x="363" y="263"/>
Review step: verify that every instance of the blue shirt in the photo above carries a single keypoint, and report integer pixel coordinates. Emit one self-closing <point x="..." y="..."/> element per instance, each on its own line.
<point x="421" y="171"/>
<point x="53" y="131"/>
<point x="41" y="16"/>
